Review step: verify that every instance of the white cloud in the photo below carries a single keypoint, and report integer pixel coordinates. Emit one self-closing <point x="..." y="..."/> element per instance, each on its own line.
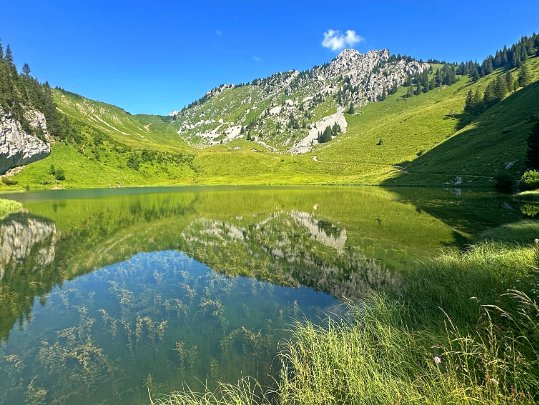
<point x="336" y="40"/>
<point x="257" y="59"/>
<point x="219" y="32"/>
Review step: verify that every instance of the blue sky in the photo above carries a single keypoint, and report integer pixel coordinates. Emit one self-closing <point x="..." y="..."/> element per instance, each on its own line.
<point x="156" y="56"/>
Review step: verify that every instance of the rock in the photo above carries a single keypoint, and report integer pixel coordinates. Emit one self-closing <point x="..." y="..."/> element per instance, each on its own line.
<point x="17" y="147"/>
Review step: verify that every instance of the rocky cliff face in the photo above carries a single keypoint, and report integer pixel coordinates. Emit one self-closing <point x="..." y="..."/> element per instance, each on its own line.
<point x="18" y="147"/>
<point x="288" y="110"/>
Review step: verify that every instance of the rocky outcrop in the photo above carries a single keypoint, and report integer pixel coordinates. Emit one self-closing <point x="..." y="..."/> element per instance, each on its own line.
<point x="18" y="147"/>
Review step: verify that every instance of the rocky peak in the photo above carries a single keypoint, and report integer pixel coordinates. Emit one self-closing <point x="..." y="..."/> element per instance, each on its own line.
<point x="280" y="110"/>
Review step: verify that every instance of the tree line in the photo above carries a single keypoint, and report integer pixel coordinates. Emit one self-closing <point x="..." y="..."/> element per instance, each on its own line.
<point x="507" y="58"/>
<point x="477" y="102"/>
<point x="20" y="92"/>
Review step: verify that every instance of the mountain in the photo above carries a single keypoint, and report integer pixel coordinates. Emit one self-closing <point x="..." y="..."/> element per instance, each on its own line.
<point x="371" y="118"/>
<point x="289" y="111"/>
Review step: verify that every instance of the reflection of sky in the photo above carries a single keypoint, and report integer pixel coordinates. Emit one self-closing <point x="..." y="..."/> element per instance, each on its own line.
<point x="158" y="314"/>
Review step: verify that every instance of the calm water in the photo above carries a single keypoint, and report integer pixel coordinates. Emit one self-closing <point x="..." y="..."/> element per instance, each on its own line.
<point x="106" y="294"/>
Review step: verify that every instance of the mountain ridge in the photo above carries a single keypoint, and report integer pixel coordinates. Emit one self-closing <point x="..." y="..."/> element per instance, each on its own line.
<point x="288" y="110"/>
<point x="382" y="141"/>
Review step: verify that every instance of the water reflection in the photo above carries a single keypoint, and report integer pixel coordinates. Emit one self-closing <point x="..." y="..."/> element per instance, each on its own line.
<point x="87" y="316"/>
<point x="156" y="321"/>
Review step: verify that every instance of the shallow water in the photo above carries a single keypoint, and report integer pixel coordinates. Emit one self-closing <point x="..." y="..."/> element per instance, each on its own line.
<point x="108" y="294"/>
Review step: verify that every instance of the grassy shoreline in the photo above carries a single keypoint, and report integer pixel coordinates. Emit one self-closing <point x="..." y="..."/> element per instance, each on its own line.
<point x="463" y="328"/>
<point x="9" y="207"/>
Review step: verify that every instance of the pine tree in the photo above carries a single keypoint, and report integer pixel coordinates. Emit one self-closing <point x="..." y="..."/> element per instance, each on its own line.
<point x="9" y="55"/>
<point x="477" y="102"/>
<point x="490" y="96"/>
<point x="509" y="81"/>
<point x="475" y="75"/>
<point x="523" y="76"/>
<point x="487" y="66"/>
<point x="410" y="91"/>
<point x="533" y="147"/>
<point x="26" y="70"/>
<point x="468" y="105"/>
<point x="500" y="88"/>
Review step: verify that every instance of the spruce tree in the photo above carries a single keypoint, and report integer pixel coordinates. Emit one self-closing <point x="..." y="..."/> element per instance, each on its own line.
<point x="477" y="102"/>
<point x="468" y="105"/>
<point x="26" y="70"/>
<point x="524" y="76"/>
<point x="501" y="88"/>
<point x="9" y="55"/>
<point x="509" y="81"/>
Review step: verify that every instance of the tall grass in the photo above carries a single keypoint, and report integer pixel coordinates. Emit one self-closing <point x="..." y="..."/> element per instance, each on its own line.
<point x="458" y="332"/>
<point x="9" y="207"/>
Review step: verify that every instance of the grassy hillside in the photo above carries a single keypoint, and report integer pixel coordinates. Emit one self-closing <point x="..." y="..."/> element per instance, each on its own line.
<point x="421" y="140"/>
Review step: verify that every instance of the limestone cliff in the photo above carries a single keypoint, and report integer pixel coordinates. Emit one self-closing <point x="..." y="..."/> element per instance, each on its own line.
<point x="19" y="147"/>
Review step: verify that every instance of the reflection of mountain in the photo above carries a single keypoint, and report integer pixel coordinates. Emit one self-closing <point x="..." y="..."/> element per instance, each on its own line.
<point x="342" y="241"/>
<point x="290" y="248"/>
<point x="27" y="252"/>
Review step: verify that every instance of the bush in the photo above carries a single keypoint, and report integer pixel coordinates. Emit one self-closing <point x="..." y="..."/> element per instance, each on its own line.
<point x="530" y="180"/>
<point x="9" y="181"/>
<point x="504" y="183"/>
<point x="59" y="175"/>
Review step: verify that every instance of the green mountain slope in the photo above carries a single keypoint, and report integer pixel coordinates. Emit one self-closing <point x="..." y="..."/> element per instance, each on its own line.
<point x="426" y="139"/>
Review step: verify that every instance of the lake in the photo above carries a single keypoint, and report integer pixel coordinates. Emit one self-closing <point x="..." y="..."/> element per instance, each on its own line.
<point x="108" y="294"/>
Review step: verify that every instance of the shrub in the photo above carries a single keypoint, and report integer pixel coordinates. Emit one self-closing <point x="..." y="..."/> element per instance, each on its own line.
<point x="9" y="181"/>
<point x="530" y="180"/>
<point x="59" y="175"/>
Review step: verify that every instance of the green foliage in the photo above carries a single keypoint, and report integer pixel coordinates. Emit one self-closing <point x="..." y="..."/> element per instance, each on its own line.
<point x="524" y="76"/>
<point x="58" y="173"/>
<point x="530" y="180"/>
<point x="8" y="181"/>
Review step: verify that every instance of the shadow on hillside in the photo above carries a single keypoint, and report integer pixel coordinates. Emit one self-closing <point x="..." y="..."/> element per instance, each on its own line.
<point x="473" y="157"/>
<point x="463" y="119"/>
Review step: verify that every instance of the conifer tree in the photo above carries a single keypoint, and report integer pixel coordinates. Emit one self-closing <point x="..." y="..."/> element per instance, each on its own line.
<point x="509" y="81"/>
<point x="468" y="105"/>
<point x="500" y="88"/>
<point x="477" y="102"/>
<point x="523" y="76"/>
<point x="26" y="70"/>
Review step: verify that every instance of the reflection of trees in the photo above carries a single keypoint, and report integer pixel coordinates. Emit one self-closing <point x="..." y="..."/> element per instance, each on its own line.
<point x="35" y="256"/>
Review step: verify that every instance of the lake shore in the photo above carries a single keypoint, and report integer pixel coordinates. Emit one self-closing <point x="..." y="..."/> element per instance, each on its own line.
<point x="465" y="329"/>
